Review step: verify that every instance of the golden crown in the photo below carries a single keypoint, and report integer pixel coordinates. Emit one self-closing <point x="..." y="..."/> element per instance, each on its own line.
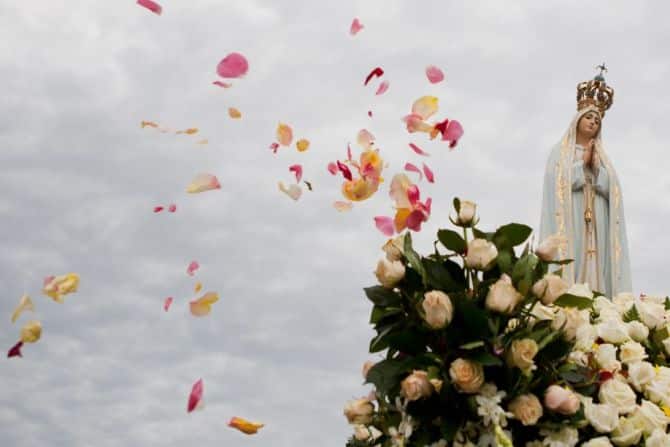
<point x="595" y="93"/>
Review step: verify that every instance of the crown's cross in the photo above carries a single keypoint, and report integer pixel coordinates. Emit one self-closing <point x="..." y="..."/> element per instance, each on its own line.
<point x="603" y="69"/>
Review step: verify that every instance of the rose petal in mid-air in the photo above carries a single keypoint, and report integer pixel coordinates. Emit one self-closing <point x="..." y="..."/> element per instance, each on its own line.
<point x="202" y="183"/>
<point x="195" y="397"/>
<point x="342" y="206"/>
<point x="198" y="287"/>
<point x="418" y="150"/>
<point x="415" y="219"/>
<point x="344" y="169"/>
<point x="203" y="141"/>
<point x="375" y="72"/>
<point x="222" y="84"/>
<point x="167" y="303"/>
<point x="31" y="331"/>
<point x="293" y="191"/>
<point x="284" y="134"/>
<point x="434" y="74"/>
<point x="297" y="169"/>
<point x="416" y="124"/>
<point x="425" y="107"/>
<point x="382" y="88"/>
<point x="370" y="113"/>
<point x="151" y="6"/>
<point x="355" y="27"/>
<point x="234" y="65"/>
<point x="56" y="287"/>
<point x="25" y="303"/>
<point x="429" y="173"/>
<point x="15" y="351"/>
<point x="189" y="131"/>
<point x="203" y="305"/>
<point x="452" y="132"/>
<point x="192" y="267"/>
<point x="332" y="168"/>
<point x="245" y="426"/>
<point x="148" y="124"/>
<point x="273" y="147"/>
<point x="411" y="168"/>
<point x="234" y="113"/>
<point x="384" y="224"/>
<point x="172" y="208"/>
<point x="302" y="145"/>
<point x="365" y="139"/>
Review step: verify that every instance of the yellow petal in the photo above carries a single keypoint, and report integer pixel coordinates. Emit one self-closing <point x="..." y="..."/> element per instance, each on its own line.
<point x="234" y="113"/>
<point x="61" y="285"/>
<point x="31" y="331"/>
<point x="24" y="304"/>
<point x="203" y="182"/>
<point x="198" y="287"/>
<point x="245" y="426"/>
<point x="302" y="145"/>
<point x="293" y="191"/>
<point x="341" y="206"/>
<point x="284" y="134"/>
<point x="203" y="305"/>
<point x="425" y="107"/>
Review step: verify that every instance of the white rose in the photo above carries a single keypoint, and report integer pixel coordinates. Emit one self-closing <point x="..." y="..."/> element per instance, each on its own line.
<point x="585" y="337"/>
<point x="651" y="313"/>
<point x="658" y="438"/>
<point x="603" y="305"/>
<point x="394" y="248"/>
<point x="565" y="437"/>
<point x="619" y="395"/>
<point x="648" y="417"/>
<point x="541" y="312"/>
<point x="466" y="214"/>
<point x="632" y="352"/>
<point x="549" y="288"/>
<point x="603" y="417"/>
<point x="437" y="308"/>
<point x="569" y="319"/>
<point x="582" y="290"/>
<point x="502" y="296"/>
<point x="389" y="273"/>
<point x="658" y="391"/>
<point x="549" y="248"/>
<point x="606" y="357"/>
<point x="623" y="301"/>
<point x="579" y="358"/>
<point x="600" y="441"/>
<point x="663" y="373"/>
<point x="640" y="374"/>
<point x="626" y="434"/>
<point x="359" y="411"/>
<point x="637" y="330"/>
<point x="613" y="331"/>
<point x="481" y="254"/>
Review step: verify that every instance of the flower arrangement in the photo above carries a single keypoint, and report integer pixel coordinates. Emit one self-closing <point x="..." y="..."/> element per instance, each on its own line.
<point x="484" y="344"/>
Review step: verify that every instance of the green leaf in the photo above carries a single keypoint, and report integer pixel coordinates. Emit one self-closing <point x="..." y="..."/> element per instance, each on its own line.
<point x="380" y="341"/>
<point x="631" y="315"/>
<point x="386" y="374"/>
<point x="379" y="313"/>
<point x="504" y="261"/>
<point x="452" y="240"/>
<point x="409" y="341"/>
<point x="457" y="205"/>
<point x="667" y="303"/>
<point x="381" y="296"/>
<point x="511" y="235"/>
<point x="438" y="277"/>
<point x="472" y="345"/>
<point x="482" y="235"/>
<point x="561" y="262"/>
<point x="486" y="359"/>
<point x="413" y="257"/>
<point x="475" y="319"/>
<point x="568" y="300"/>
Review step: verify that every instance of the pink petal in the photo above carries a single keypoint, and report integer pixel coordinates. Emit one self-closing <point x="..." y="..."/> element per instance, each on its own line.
<point x="349" y="152"/>
<point x="222" y="84"/>
<point x="418" y="150"/>
<point x="48" y="279"/>
<point x="452" y="133"/>
<point x="233" y="66"/>
<point x="385" y="225"/>
<point x="172" y="208"/>
<point x="370" y="113"/>
<point x="297" y="169"/>
<point x="274" y="147"/>
<point x="429" y="174"/>
<point x="166" y="304"/>
<point x="342" y="206"/>
<point x="344" y="169"/>
<point x="382" y="88"/>
<point x="15" y="351"/>
<point x="356" y="26"/>
<point x="415" y="219"/>
<point x="151" y="6"/>
<point x="434" y="74"/>
<point x="196" y="395"/>
<point x="413" y="194"/>
<point x="364" y="139"/>
<point x="429" y="202"/>
<point x="411" y="168"/>
<point x="192" y="267"/>
<point x="416" y="124"/>
<point x="332" y="168"/>
<point x="375" y="72"/>
<point x="158" y="209"/>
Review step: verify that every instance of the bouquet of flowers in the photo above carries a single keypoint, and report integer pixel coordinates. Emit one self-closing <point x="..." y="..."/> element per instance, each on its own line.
<point x="484" y="346"/>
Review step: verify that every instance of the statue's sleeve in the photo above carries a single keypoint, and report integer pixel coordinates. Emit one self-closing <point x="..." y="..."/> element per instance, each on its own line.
<point x="578" y="175"/>
<point x="602" y="183"/>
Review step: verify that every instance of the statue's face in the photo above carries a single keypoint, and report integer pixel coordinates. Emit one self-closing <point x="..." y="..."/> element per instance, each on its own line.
<point x="589" y="124"/>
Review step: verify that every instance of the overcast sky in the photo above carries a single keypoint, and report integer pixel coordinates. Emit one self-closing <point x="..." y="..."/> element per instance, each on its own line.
<point x="286" y="342"/>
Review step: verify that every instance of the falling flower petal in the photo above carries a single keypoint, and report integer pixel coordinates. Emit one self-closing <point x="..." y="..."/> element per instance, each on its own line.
<point x="418" y="150"/>
<point x="384" y="224"/>
<point x="15" y="351"/>
<point x="205" y="141"/>
<point x="172" y="208"/>
<point x="434" y="74"/>
<point x="452" y="133"/>
<point x="332" y="168"/>
<point x="413" y="194"/>
<point x="31" y="331"/>
<point x="274" y="147"/>
<point x="158" y="209"/>
<point x="284" y="134"/>
<point x="429" y="174"/>
<point x="425" y="107"/>
<point x="375" y="72"/>
<point x="416" y="124"/>
<point x="293" y="191"/>
<point x="245" y="426"/>
<point x="365" y="139"/>
<point x="344" y="169"/>
<point x="382" y="88"/>
<point x="414" y="220"/>
<point x="25" y="303"/>
<point x="203" y="182"/>
<point x="190" y="131"/>
<point x="400" y="184"/>
<point x="203" y="305"/>
<point x="342" y="206"/>
<point x="348" y="152"/>
<point x="297" y="169"/>
<point x="151" y="6"/>
<point x="167" y="303"/>
<point x="233" y="66"/>
<point x="148" y="124"/>
<point x="302" y="145"/>
<point x="234" y="113"/>
<point x="400" y="220"/>
<point x="58" y="286"/>
<point x="356" y="26"/>
<point x="192" y="267"/>
<point x="411" y="168"/>
<point x="222" y="84"/>
<point x="198" y="287"/>
<point x="195" y="397"/>
<point x="370" y="113"/>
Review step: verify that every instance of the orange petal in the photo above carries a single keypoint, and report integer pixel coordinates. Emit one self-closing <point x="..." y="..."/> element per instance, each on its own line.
<point x="198" y="287"/>
<point x="247" y="427"/>
<point x="425" y="107"/>
<point x="342" y="206"/>
<point x="234" y="113"/>
<point x="190" y="131"/>
<point x="148" y="124"/>
<point x="284" y="134"/>
<point x="203" y="305"/>
<point x="400" y="220"/>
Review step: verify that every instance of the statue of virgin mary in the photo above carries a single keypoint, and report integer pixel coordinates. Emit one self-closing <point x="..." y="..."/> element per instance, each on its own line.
<point x="582" y="202"/>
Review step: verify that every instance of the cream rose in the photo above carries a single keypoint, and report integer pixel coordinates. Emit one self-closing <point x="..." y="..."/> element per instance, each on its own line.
<point x="658" y="438"/>
<point x="394" y="248"/>
<point x="619" y="395"/>
<point x="637" y="330"/>
<point x="466" y="214"/>
<point x="549" y="288"/>
<point x="626" y="434"/>
<point x="359" y="411"/>
<point x="549" y="248"/>
<point x="585" y="337"/>
<point x="603" y="417"/>
<point x="632" y="352"/>
<point x="438" y="310"/>
<point x="521" y="354"/>
<point x="561" y="400"/>
<point x="600" y="441"/>
<point x="582" y="290"/>
<point x="389" y="273"/>
<point x="658" y="391"/>
<point x="541" y="312"/>
<point x="466" y="375"/>
<point x="640" y="375"/>
<point x="623" y="301"/>
<point x="526" y="408"/>
<point x="416" y="385"/>
<point x="569" y="319"/>
<point x="606" y="357"/>
<point x="502" y="296"/>
<point x="613" y="331"/>
<point x="648" y="417"/>
<point x="481" y="254"/>
<point x="651" y="313"/>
